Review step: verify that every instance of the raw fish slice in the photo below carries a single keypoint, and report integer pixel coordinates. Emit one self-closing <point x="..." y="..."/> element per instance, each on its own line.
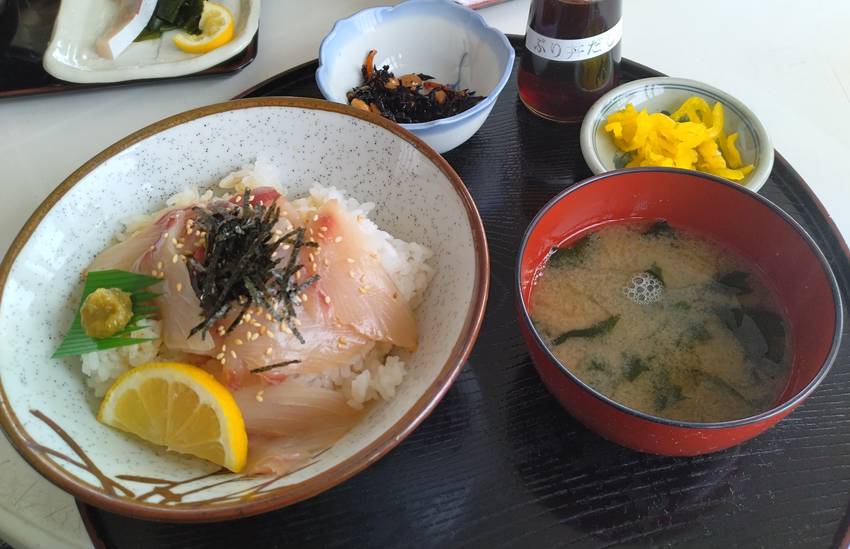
<point x="125" y="255"/>
<point x="179" y="307"/>
<point x="284" y="455"/>
<point x="292" y="408"/>
<point x="353" y="284"/>
<point x="288" y="424"/>
<point x="260" y="342"/>
<point x="131" y="19"/>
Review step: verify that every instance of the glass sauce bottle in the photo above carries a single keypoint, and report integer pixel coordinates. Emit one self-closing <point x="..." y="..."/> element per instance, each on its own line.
<point x="571" y="57"/>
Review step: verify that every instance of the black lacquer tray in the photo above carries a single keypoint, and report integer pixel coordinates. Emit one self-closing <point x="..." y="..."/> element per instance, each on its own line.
<point x="500" y="464"/>
<point x="25" y="27"/>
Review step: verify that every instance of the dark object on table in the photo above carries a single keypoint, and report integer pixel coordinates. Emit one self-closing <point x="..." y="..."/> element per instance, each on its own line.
<point x="25" y="27"/>
<point x="409" y="98"/>
<point x="571" y="56"/>
<point x="500" y="464"/>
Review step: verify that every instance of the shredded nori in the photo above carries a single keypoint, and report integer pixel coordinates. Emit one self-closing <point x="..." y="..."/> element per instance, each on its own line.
<point x="239" y="270"/>
<point x="409" y="105"/>
<point x="600" y="328"/>
<point x="273" y="366"/>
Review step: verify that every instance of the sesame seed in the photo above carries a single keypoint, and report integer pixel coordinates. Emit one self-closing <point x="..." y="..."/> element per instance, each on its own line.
<point x="179" y="245"/>
<point x="361" y="289"/>
<point x="296" y="321"/>
<point x="304" y="297"/>
<point x="325" y="262"/>
<point x="219" y="356"/>
<point x="338" y="239"/>
<point x="286" y="246"/>
<point x="360" y="218"/>
<point x="233" y="353"/>
<point x="248" y="335"/>
<point x="259" y="395"/>
<point x="342" y="340"/>
<point x="312" y="258"/>
<point x="159" y="264"/>
<point x="268" y="350"/>
<point x="223" y="361"/>
<point x="179" y="286"/>
<point x="323" y="228"/>
<point x="165" y="234"/>
<point x="238" y="198"/>
<point x="153" y="247"/>
<point x="255" y="337"/>
<point x="263" y="329"/>
<point x="350" y="260"/>
<point x="224" y="347"/>
<point x="238" y="341"/>
<point x="351" y="274"/>
<point x="327" y="300"/>
<point x="175" y="258"/>
<point x="251" y="197"/>
<point x="153" y="272"/>
<point x="315" y="217"/>
<point x="173" y="240"/>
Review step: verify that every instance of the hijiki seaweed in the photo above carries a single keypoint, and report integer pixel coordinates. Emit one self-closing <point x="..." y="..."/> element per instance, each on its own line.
<point x="239" y="269"/>
<point x="410" y="98"/>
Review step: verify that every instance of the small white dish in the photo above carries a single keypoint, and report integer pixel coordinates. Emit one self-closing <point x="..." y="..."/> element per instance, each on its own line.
<point x="667" y="94"/>
<point x="437" y="37"/>
<point x="71" y="54"/>
<point x="46" y="408"/>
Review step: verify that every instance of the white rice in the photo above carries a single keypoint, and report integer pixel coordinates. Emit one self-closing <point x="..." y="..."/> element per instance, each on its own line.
<point x="103" y="367"/>
<point x="376" y="376"/>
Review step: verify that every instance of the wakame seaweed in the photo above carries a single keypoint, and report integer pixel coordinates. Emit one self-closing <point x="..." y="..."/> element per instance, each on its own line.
<point x="660" y="228"/>
<point x="570" y="255"/>
<point x="408" y="99"/>
<point x="737" y="282"/>
<point x="239" y="270"/>
<point x="173" y="14"/>
<point x="656" y="271"/>
<point x="634" y="366"/>
<point x="598" y="329"/>
<point x="667" y="393"/>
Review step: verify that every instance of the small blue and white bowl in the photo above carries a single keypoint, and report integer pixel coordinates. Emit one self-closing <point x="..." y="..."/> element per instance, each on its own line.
<point x="667" y="94"/>
<point x="436" y="37"/>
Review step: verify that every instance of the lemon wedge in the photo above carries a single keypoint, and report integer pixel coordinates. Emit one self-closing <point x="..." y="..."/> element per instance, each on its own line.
<point x="216" y="30"/>
<point x="180" y="407"/>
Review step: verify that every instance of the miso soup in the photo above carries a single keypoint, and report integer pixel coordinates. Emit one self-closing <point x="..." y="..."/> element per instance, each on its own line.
<point x="664" y="322"/>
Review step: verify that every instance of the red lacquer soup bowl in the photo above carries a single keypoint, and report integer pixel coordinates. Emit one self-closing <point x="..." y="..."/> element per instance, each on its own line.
<point x="739" y="220"/>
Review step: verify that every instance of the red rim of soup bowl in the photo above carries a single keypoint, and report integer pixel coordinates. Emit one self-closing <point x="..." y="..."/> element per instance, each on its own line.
<point x="737" y="219"/>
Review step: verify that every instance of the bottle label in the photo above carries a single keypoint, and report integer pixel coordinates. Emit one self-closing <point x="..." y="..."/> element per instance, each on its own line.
<point x="578" y="49"/>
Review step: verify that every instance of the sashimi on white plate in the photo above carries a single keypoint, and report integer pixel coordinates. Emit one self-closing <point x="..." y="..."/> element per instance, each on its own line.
<point x="73" y="55"/>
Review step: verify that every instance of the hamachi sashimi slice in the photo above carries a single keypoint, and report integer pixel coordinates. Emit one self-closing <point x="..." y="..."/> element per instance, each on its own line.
<point x="153" y="250"/>
<point x="354" y="286"/>
<point x="260" y="341"/>
<point x="129" y="22"/>
<point x="290" y="423"/>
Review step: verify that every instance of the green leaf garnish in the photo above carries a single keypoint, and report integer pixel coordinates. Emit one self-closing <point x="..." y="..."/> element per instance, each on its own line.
<point x="77" y="342"/>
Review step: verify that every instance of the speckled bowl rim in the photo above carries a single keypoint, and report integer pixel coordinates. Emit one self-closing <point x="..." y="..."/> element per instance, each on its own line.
<point x="336" y="474"/>
<point x="592" y="121"/>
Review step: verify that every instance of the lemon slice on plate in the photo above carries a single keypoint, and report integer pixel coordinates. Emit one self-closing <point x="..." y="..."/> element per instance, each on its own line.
<point x="180" y="407"/>
<point x="216" y="30"/>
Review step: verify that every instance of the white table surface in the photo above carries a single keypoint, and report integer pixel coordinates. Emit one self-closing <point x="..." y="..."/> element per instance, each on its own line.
<point x="789" y="62"/>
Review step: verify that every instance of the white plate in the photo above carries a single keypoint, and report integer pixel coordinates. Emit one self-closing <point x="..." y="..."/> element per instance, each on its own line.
<point x="71" y="53"/>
